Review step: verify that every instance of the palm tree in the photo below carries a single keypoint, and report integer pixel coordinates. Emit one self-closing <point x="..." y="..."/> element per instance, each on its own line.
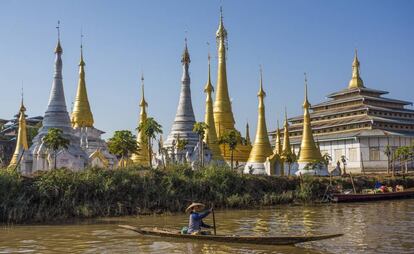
<point x="230" y="138"/>
<point x="54" y="140"/>
<point x="181" y="144"/>
<point x="123" y="144"/>
<point x="343" y="160"/>
<point x="150" y="128"/>
<point x="387" y="151"/>
<point x="200" y="129"/>
<point x="326" y="158"/>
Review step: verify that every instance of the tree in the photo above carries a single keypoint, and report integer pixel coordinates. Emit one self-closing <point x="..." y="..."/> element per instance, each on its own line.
<point x="387" y="151"/>
<point x="54" y="141"/>
<point x="32" y="132"/>
<point x="230" y="138"/>
<point x="404" y="153"/>
<point x="181" y="144"/>
<point x="200" y="128"/>
<point x="289" y="159"/>
<point x="326" y="158"/>
<point x="150" y="128"/>
<point x="123" y="144"/>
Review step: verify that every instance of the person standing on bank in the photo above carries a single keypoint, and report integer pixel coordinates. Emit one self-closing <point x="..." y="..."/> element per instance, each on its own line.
<point x="196" y="219"/>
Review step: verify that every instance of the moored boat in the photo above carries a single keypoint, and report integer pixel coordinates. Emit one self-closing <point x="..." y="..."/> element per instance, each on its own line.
<point x="359" y="197"/>
<point x="264" y="240"/>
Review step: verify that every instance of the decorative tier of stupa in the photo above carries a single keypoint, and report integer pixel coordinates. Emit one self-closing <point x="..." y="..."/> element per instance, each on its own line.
<point x="82" y="123"/>
<point x="21" y="141"/>
<point x="38" y="157"/>
<point x="356" y="124"/>
<point x="223" y="115"/>
<point x="142" y="156"/>
<point x="261" y="148"/>
<point x="182" y="127"/>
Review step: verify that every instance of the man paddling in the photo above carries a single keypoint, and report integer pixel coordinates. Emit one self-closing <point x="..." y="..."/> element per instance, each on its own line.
<point x="196" y="219"/>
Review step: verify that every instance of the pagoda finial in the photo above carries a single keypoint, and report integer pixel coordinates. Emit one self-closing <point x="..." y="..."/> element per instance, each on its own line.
<point x="286" y="141"/>
<point x="278" y="143"/>
<point x="209" y="87"/>
<point x="248" y="140"/>
<point x="306" y="103"/>
<point x="186" y="56"/>
<point x="143" y="102"/>
<point x="356" y="81"/>
<point x="261" y="92"/>
<point x="81" y="62"/>
<point x="58" y="48"/>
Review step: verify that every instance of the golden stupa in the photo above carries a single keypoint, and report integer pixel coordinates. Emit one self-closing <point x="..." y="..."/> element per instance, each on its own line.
<point x="309" y="152"/>
<point x="142" y="156"/>
<point x="223" y="115"/>
<point x="286" y="149"/>
<point x="210" y="137"/>
<point x="278" y="143"/>
<point x="21" y="142"/>
<point x="356" y="81"/>
<point x="81" y="114"/>
<point x="261" y="147"/>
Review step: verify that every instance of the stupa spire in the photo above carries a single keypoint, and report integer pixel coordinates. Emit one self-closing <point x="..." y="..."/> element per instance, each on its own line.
<point x="261" y="147"/>
<point x="82" y="115"/>
<point x="308" y="150"/>
<point x="142" y="156"/>
<point x="184" y="118"/>
<point x="248" y="139"/>
<point x="223" y="115"/>
<point x="21" y="142"/>
<point x="278" y="144"/>
<point x="356" y="81"/>
<point x="210" y="137"/>
<point x="286" y="141"/>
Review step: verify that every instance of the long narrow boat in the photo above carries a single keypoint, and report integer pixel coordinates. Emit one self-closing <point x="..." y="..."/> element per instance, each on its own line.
<point x="264" y="240"/>
<point x="359" y="197"/>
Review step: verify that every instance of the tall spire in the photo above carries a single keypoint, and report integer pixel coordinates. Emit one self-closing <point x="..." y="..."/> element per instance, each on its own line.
<point x="278" y="144"/>
<point x="261" y="147"/>
<point x="223" y="115"/>
<point x="21" y="141"/>
<point x="210" y="137"/>
<point x="142" y="156"/>
<point x="184" y="118"/>
<point x="82" y="114"/>
<point x="286" y="141"/>
<point x="248" y="140"/>
<point x="308" y="150"/>
<point x="356" y="81"/>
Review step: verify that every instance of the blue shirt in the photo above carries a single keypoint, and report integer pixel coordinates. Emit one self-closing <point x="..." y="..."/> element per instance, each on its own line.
<point x="196" y="221"/>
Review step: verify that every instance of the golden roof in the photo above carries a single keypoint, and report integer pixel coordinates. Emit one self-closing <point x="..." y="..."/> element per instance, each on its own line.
<point x="261" y="148"/>
<point x="356" y="80"/>
<point x="82" y="114"/>
<point x="308" y="150"/>
<point x="21" y="142"/>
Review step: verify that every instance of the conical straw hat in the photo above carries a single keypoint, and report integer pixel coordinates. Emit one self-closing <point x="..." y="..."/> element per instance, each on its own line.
<point x="194" y="205"/>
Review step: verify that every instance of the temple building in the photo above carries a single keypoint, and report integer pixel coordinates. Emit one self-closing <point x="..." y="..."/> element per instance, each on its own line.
<point x="356" y="124"/>
<point x="142" y="156"/>
<point x="182" y="127"/>
<point x="210" y="137"/>
<point x="82" y="123"/>
<point x="261" y="149"/>
<point x="38" y="157"/>
<point x="21" y="141"/>
<point x="223" y="115"/>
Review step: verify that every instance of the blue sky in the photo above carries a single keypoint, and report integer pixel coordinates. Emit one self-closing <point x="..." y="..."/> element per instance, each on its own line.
<point x="123" y="38"/>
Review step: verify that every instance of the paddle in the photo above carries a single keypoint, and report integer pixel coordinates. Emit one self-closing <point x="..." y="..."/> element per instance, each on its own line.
<point x="214" y="220"/>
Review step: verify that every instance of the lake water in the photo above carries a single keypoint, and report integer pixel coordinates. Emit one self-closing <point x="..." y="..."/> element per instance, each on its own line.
<point x="376" y="227"/>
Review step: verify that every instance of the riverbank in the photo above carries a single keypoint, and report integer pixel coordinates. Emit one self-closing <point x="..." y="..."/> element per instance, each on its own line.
<point x="62" y="194"/>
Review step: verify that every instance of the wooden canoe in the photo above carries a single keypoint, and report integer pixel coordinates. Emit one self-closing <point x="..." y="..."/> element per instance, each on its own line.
<point x="264" y="240"/>
<point x="359" y="197"/>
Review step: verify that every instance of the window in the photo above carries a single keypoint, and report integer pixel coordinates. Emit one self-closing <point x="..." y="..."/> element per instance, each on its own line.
<point x="338" y="153"/>
<point x="353" y="154"/>
<point x="374" y="154"/>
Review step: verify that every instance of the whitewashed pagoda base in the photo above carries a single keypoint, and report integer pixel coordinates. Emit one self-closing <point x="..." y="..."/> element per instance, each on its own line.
<point x="255" y="168"/>
<point x="321" y="170"/>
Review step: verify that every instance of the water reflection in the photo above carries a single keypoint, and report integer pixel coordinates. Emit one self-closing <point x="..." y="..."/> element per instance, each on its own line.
<point x="379" y="227"/>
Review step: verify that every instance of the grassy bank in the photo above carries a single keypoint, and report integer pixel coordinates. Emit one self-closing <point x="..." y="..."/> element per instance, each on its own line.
<point x="62" y="194"/>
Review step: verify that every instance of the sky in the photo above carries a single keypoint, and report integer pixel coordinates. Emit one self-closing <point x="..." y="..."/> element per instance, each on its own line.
<point x="123" y="39"/>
